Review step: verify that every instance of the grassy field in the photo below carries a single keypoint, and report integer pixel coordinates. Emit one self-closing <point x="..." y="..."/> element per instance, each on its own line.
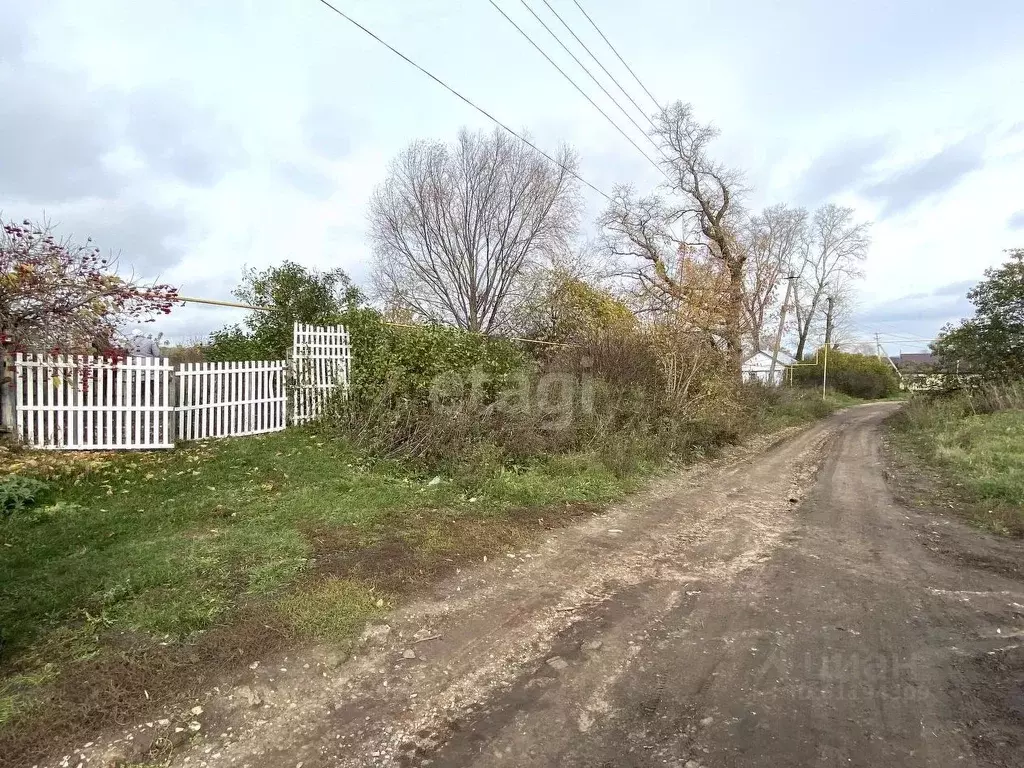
<point x="136" y="579"/>
<point x="980" y="455"/>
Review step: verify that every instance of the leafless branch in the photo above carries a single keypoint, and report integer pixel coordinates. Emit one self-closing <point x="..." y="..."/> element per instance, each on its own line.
<point x="455" y="228"/>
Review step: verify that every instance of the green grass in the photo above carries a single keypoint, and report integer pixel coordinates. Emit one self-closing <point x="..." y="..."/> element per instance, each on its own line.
<point x="842" y="400"/>
<point x="165" y="545"/>
<point x="16" y="690"/>
<point x="987" y="453"/>
<point x="351" y="603"/>
<point x="980" y="454"/>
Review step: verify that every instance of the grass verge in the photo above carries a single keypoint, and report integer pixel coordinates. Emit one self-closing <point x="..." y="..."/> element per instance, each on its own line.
<point x="137" y="577"/>
<point x="977" y="460"/>
<point x="792" y="407"/>
<point x="136" y="581"/>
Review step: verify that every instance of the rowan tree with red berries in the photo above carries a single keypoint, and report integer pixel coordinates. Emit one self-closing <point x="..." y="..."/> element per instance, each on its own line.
<point x="64" y="297"/>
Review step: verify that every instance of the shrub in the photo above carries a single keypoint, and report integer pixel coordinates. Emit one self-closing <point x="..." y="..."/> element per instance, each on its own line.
<point x="296" y="294"/>
<point x="856" y="375"/>
<point x="406" y="360"/>
<point x="18" y="493"/>
<point x="444" y="399"/>
<point x="773" y="408"/>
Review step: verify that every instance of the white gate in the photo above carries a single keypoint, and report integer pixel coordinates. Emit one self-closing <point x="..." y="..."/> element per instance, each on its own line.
<point x="225" y="399"/>
<point x="86" y="403"/>
<point x="321" y="358"/>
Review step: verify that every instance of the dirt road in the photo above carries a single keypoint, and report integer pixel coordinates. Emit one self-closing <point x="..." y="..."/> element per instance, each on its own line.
<point x="776" y="608"/>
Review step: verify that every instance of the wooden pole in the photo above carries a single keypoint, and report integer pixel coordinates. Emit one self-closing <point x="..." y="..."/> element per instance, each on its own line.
<point x="824" y="373"/>
<point x="8" y="415"/>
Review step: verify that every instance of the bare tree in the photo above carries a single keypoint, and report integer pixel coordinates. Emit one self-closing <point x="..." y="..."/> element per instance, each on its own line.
<point x="835" y="249"/>
<point x="774" y="239"/>
<point x="703" y="268"/>
<point x="844" y="326"/>
<point x="455" y="228"/>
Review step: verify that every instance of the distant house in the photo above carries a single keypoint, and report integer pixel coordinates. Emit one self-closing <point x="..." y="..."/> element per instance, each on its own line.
<point x="756" y="367"/>
<point x="923" y="372"/>
<point x="909" y="362"/>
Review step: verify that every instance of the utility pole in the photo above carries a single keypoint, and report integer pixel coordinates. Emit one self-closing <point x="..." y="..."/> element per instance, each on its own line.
<point x="828" y="342"/>
<point x="782" y="325"/>
<point x="824" y="373"/>
<point x="881" y="354"/>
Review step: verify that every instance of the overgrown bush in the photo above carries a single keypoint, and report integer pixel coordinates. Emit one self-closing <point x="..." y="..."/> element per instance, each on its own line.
<point x="978" y="398"/>
<point x="446" y="399"/>
<point x="404" y="361"/>
<point x="856" y="375"/>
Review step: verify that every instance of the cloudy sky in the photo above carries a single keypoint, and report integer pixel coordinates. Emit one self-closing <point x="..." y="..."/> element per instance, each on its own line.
<point x="195" y="137"/>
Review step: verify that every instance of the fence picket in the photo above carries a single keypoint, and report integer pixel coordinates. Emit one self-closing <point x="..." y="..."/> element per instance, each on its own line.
<point x="88" y="398"/>
<point x="81" y="403"/>
<point x="319" y="367"/>
<point x="229" y="398"/>
<point x="78" y="402"/>
<point x="76" y="394"/>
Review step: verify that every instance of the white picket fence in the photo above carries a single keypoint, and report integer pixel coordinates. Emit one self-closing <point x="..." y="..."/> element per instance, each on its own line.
<point x="322" y="358"/>
<point x="82" y="403"/>
<point x="225" y="399"/>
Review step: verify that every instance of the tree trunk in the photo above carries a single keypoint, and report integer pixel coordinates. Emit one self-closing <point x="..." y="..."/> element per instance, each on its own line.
<point x="734" y="319"/>
<point x="804" y="329"/>
<point x="828" y="321"/>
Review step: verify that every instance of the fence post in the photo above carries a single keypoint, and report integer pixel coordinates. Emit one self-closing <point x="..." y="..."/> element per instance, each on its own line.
<point x="172" y="401"/>
<point x="7" y="405"/>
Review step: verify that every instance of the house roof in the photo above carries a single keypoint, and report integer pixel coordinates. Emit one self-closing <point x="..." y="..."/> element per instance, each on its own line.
<point x="916" y="358"/>
<point x="765" y="359"/>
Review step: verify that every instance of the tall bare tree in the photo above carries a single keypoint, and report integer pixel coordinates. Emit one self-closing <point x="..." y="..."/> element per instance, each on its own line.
<point x="844" y="320"/>
<point x="774" y="239"/>
<point x="703" y="267"/>
<point x="836" y="247"/>
<point x="456" y="227"/>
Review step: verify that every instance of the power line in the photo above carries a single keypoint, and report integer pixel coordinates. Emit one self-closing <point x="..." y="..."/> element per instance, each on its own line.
<point x="609" y="42"/>
<point x="598" y="62"/>
<point x="455" y="93"/>
<point x="592" y="76"/>
<point x="574" y="85"/>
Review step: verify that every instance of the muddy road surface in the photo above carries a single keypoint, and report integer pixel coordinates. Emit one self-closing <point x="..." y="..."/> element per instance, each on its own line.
<point x="776" y="607"/>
